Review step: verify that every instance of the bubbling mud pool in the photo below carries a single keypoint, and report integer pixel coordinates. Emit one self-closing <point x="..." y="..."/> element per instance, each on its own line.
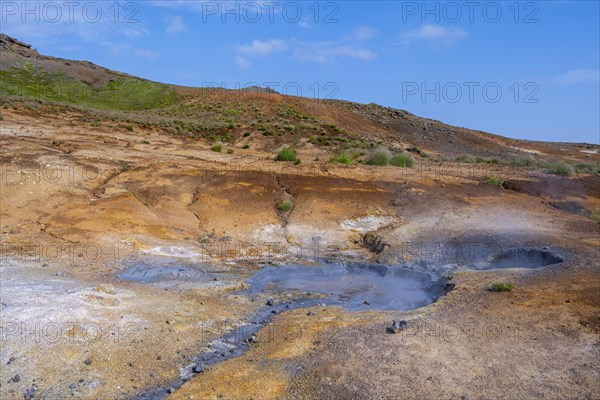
<point x="353" y="286"/>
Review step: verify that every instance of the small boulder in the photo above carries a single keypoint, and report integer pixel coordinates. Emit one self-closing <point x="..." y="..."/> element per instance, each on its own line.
<point x="30" y="393"/>
<point x="106" y="288"/>
<point x="397" y="326"/>
<point x="198" y="368"/>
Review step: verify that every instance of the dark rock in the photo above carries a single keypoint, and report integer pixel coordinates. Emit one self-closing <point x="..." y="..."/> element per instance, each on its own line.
<point x="198" y="368"/>
<point x="397" y="326"/>
<point x="10" y="360"/>
<point x="366" y="302"/>
<point x="253" y="339"/>
<point x="16" y="378"/>
<point x="88" y="361"/>
<point x="270" y="303"/>
<point x="73" y="386"/>
<point x="448" y="287"/>
<point x="30" y="393"/>
<point x="373" y="242"/>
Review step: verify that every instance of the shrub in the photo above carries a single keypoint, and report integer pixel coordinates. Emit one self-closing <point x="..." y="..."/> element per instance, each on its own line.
<point x="526" y="162"/>
<point x="465" y="159"/>
<point x="146" y="142"/>
<point x="587" y="168"/>
<point x="129" y="128"/>
<point x="246" y="146"/>
<point x="415" y="149"/>
<point x="297" y="162"/>
<point x="402" y="160"/>
<point x="246" y="134"/>
<point x="560" y="168"/>
<point x="379" y="157"/>
<point x="286" y="206"/>
<point x="501" y="287"/>
<point x="495" y="180"/>
<point x="217" y="147"/>
<point x="342" y="158"/>
<point x="287" y="154"/>
<point x="230" y="151"/>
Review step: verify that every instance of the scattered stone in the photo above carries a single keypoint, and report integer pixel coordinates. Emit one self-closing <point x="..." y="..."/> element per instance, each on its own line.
<point x="270" y="303"/>
<point x="106" y="288"/>
<point x="310" y="313"/>
<point x="88" y="361"/>
<point x="253" y="339"/>
<point x="16" y="378"/>
<point x="30" y="393"/>
<point x="159" y="358"/>
<point x="366" y="302"/>
<point x="198" y="368"/>
<point x="73" y="386"/>
<point x="274" y="312"/>
<point x="397" y="326"/>
<point x="10" y="360"/>
<point x="171" y="390"/>
<point x="81" y="380"/>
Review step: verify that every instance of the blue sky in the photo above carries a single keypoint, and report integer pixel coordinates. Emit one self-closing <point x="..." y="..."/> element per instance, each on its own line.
<point x="527" y="70"/>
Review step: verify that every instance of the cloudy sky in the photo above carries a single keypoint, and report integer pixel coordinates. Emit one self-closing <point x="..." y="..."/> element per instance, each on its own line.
<point x="527" y="70"/>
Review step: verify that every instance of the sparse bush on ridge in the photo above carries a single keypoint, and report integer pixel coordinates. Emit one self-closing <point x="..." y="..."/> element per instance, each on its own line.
<point x="379" y="157"/>
<point x="287" y="154"/>
<point x="417" y="150"/>
<point x="587" y="168"/>
<point x="342" y="158"/>
<point x="495" y="180"/>
<point x="524" y="162"/>
<point x="560" y="168"/>
<point x="402" y="160"/>
<point x="217" y="147"/>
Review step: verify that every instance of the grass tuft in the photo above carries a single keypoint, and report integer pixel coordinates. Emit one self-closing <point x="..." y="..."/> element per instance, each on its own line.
<point x="501" y="287"/>
<point x="286" y="206"/>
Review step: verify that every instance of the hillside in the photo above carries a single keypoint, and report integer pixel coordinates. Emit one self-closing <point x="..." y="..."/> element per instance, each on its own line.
<point x="231" y="115"/>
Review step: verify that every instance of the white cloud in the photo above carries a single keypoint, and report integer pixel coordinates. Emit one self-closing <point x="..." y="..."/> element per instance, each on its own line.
<point x="258" y="48"/>
<point x="146" y="53"/>
<point x="364" y="33"/>
<point x="579" y="76"/>
<point x="263" y="48"/>
<point x="175" y="25"/>
<point x="433" y="33"/>
<point x="328" y="52"/>
<point x="242" y="62"/>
